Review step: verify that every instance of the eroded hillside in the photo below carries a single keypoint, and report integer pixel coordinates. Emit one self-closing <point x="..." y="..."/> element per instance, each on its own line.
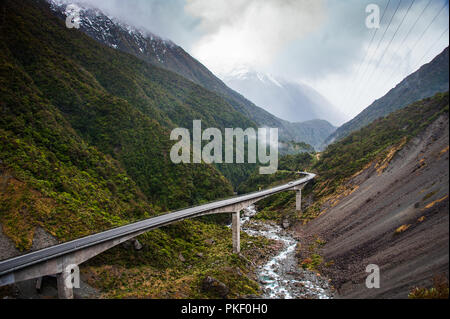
<point x="380" y="197"/>
<point x="396" y="217"/>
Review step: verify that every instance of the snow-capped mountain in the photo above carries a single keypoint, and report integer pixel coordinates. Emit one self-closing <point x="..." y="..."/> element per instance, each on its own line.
<point x="145" y="45"/>
<point x="291" y="101"/>
<point x="153" y="49"/>
<point x="114" y="32"/>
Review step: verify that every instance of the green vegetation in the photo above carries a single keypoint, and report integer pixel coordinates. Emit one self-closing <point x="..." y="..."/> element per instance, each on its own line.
<point x="178" y="61"/>
<point x="174" y="262"/>
<point x="68" y="134"/>
<point x="292" y="148"/>
<point x="288" y="168"/>
<point x="57" y="180"/>
<point x="116" y="102"/>
<point x="439" y="290"/>
<point x="279" y="206"/>
<point x="377" y="141"/>
<point x="375" y="144"/>
<point x="312" y="132"/>
<point x="84" y="146"/>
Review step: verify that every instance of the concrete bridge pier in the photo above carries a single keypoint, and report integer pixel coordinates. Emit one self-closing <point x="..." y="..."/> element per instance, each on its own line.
<point x="68" y="279"/>
<point x="236" y="228"/>
<point x="298" y="197"/>
<point x="64" y="259"/>
<point x="298" y="200"/>
<point x="65" y="291"/>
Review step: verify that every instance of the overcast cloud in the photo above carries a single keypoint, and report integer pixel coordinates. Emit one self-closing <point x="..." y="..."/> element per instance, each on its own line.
<point x="319" y="42"/>
<point x="251" y="32"/>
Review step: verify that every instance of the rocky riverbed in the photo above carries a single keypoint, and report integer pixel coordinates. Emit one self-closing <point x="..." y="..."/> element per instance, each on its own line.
<point x="280" y="277"/>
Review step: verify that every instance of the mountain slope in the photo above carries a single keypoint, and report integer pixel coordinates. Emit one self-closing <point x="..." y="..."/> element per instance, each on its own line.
<point x="164" y="53"/>
<point x="76" y="158"/>
<point x="290" y="101"/>
<point x="427" y="81"/>
<point x="165" y="97"/>
<point x="76" y="95"/>
<point x="314" y="131"/>
<point x="393" y="213"/>
<point x="51" y="178"/>
<point x="380" y="197"/>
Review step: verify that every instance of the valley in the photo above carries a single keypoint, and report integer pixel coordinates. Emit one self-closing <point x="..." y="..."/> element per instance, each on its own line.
<point x="87" y="147"/>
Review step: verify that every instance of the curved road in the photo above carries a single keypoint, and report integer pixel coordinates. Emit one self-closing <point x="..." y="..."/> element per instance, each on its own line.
<point x="20" y="262"/>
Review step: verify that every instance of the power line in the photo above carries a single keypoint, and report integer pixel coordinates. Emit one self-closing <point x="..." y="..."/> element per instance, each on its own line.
<point x="419" y="39"/>
<point x="415" y="23"/>
<point x="428" y="51"/>
<point x="426" y="29"/>
<point x="408" y="34"/>
<point x="379" y="43"/>
<point x="390" y="42"/>
<point x="381" y="40"/>
<point x="355" y="77"/>
<point x="429" y="25"/>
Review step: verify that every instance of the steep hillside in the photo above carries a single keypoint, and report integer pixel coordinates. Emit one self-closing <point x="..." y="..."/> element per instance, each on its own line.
<point x="81" y="152"/>
<point x="377" y="141"/>
<point x="50" y="177"/>
<point x="396" y="216"/>
<point x="70" y="138"/>
<point x="164" y="53"/>
<point x="85" y="80"/>
<point x="294" y="102"/>
<point x="288" y="169"/>
<point x="427" y="81"/>
<point x="381" y="197"/>
<point x="314" y="132"/>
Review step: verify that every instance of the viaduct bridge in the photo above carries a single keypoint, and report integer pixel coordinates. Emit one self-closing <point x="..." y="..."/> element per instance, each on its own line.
<point x="60" y="259"/>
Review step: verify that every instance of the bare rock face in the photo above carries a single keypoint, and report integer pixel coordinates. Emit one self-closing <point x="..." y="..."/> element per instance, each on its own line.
<point x="7" y="247"/>
<point x="42" y="239"/>
<point x="215" y="287"/>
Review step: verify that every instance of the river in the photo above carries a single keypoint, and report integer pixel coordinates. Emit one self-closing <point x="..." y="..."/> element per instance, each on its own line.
<point x="280" y="277"/>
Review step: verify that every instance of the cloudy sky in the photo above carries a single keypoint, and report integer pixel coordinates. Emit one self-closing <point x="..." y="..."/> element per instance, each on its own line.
<point x="323" y="43"/>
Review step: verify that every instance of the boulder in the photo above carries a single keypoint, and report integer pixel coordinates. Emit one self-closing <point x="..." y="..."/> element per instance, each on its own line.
<point x="212" y="286"/>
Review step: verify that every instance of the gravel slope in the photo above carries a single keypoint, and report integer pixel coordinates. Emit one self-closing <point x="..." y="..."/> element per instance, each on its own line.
<point x="361" y="229"/>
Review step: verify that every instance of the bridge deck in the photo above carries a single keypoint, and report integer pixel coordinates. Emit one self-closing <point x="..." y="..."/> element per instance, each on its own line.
<point x="20" y="262"/>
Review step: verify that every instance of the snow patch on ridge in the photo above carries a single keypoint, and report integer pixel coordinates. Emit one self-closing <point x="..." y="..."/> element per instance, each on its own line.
<point x="102" y="27"/>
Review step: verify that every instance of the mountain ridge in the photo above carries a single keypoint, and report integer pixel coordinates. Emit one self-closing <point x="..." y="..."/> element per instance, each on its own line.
<point x="288" y="100"/>
<point x="434" y="74"/>
<point x="164" y="53"/>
